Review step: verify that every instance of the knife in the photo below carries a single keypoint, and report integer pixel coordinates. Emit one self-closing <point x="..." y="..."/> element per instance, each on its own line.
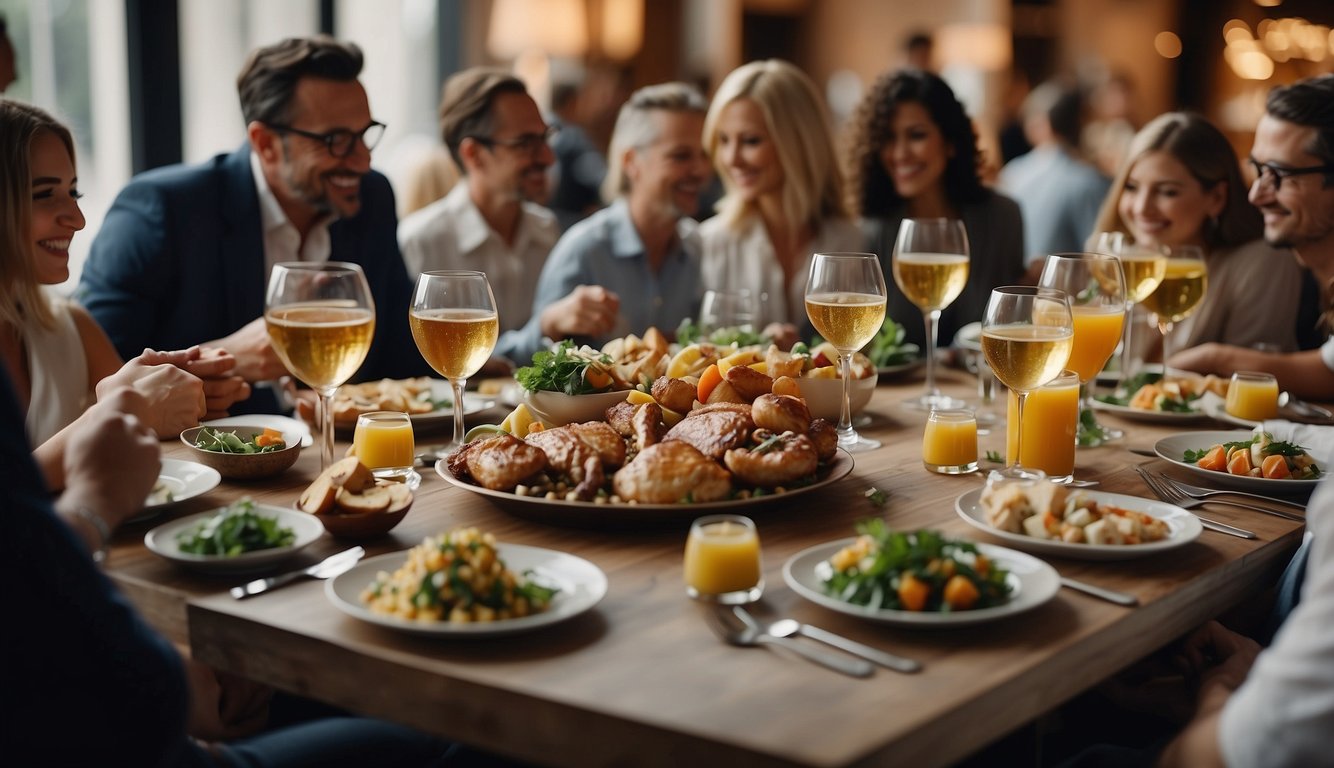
<point x="326" y="568"/>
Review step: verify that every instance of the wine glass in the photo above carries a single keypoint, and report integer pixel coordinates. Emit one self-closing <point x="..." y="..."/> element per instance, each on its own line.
<point x="1027" y="334"/>
<point x="732" y="309"/>
<point x="930" y="265"/>
<point x="1143" y="267"/>
<point x="321" y="319"/>
<point x="455" y="325"/>
<point x="1181" y="291"/>
<point x="845" y="301"/>
<point x="1097" y="291"/>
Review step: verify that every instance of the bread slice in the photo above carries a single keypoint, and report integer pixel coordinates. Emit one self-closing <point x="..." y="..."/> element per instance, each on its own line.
<point x="369" y="501"/>
<point x="343" y="475"/>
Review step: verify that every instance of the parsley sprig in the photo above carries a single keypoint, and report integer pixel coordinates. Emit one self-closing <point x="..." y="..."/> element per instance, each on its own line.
<point x="562" y="370"/>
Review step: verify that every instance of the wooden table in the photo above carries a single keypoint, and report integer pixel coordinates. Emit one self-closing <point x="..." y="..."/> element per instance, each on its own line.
<point x="641" y="680"/>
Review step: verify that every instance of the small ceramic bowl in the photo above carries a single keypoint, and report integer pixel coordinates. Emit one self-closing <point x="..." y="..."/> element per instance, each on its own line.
<point x="245" y="466"/>
<point x="556" y="409"/>
<point x="825" y="396"/>
<point x="360" y="527"/>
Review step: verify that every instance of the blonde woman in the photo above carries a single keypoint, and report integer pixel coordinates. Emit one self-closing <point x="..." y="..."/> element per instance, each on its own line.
<point x="769" y="138"/>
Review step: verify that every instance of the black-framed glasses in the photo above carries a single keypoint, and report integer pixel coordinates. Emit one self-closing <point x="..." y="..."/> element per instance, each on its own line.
<point x="530" y="143"/>
<point x="1277" y="173"/>
<point x="339" y="142"/>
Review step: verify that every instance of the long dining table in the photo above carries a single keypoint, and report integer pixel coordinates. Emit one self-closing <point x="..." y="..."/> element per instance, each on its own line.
<point x="642" y="680"/>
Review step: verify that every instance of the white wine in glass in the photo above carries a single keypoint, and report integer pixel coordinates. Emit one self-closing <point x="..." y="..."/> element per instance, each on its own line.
<point x="1097" y="290"/>
<point x="845" y="301"/>
<point x="930" y="265"/>
<point x="455" y="325"/>
<point x="1027" y="334"/>
<point x="321" y="320"/>
<point x="1184" y="283"/>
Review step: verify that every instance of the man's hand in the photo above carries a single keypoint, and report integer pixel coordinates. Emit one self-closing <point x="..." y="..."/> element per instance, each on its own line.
<point x="111" y="458"/>
<point x="783" y="335"/>
<point x="224" y="707"/>
<point x="589" y="310"/>
<point x="255" y="358"/>
<point x="1221" y="659"/>
<point x="1202" y="358"/>
<point x="222" y="386"/>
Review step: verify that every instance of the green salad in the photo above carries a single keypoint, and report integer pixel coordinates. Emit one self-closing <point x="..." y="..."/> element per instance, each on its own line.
<point x="888" y="347"/>
<point x="567" y="368"/>
<point x="218" y="441"/>
<point x="235" y="530"/>
<point x="689" y="332"/>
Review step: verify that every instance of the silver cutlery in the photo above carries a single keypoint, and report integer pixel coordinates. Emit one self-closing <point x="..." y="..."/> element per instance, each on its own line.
<point x="1171" y="493"/>
<point x="1303" y="408"/>
<point x="1196" y="492"/>
<point x="327" y="568"/>
<point x="790" y="627"/>
<point x="1110" y="595"/>
<point x="751" y="634"/>
<point x="1144" y="452"/>
<point x="1185" y="502"/>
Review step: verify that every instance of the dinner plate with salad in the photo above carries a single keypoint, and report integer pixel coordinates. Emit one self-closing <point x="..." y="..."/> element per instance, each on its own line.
<point x="919" y="579"/>
<point x="1150" y="397"/>
<point x="1243" y="461"/>
<point x="244" y="537"/>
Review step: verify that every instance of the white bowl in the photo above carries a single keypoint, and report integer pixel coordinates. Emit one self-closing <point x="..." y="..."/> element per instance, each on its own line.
<point x="556" y="409"/>
<point x="825" y="396"/>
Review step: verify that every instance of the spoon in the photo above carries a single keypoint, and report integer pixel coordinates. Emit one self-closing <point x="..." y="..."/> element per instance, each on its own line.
<point x="790" y="627"/>
<point x="1302" y="408"/>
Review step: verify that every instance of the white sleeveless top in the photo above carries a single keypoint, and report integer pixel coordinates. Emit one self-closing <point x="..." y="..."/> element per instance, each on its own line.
<point x="58" y="369"/>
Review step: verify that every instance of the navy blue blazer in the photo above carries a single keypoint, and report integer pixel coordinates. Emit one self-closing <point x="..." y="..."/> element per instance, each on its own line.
<point x="179" y="260"/>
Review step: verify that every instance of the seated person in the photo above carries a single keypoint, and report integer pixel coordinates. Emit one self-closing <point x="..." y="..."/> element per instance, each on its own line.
<point x="184" y="254"/>
<point x="636" y="263"/>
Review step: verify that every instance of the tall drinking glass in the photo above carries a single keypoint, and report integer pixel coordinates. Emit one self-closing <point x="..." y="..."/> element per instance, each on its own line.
<point x="1180" y="292"/>
<point x="845" y="300"/>
<point x="1027" y="334"/>
<point x="1097" y="290"/>
<point x="733" y="309"/>
<point x="930" y="266"/>
<point x="455" y="325"/>
<point x="1144" y="267"/>
<point x="321" y="320"/>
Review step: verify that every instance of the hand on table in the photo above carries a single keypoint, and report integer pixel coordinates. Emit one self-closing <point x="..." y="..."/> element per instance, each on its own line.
<point x="256" y="359"/>
<point x="175" y="398"/>
<point x="589" y="310"/>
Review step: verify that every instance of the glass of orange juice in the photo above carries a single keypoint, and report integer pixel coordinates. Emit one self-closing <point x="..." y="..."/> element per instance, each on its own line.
<point x="722" y="561"/>
<point x="1252" y="396"/>
<point x="1051" y="416"/>
<point x="949" y="445"/>
<point x="383" y="442"/>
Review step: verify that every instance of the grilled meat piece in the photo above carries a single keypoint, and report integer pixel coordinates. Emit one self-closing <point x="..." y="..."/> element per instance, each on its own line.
<point x="712" y="433"/>
<point x="670" y="472"/>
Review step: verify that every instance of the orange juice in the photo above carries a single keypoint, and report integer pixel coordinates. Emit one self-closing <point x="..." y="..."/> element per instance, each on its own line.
<point x="1051" y="415"/>
<point x="1252" y="396"/>
<point x="1097" y="332"/>
<point x="722" y="560"/>
<point x="949" y="445"/>
<point x="383" y="442"/>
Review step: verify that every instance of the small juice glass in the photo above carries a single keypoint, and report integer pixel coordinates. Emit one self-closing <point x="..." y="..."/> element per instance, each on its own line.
<point x="1252" y="396"/>
<point x="722" y="560"/>
<point x="383" y="442"/>
<point x="949" y="445"/>
<point x="1051" y="419"/>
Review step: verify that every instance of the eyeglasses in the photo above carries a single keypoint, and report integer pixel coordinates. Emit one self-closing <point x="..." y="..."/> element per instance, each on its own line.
<point x="1277" y="173"/>
<point x="339" y="142"/>
<point x="530" y="143"/>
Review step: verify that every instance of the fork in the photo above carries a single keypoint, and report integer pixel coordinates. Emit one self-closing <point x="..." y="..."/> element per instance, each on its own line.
<point x="1171" y="496"/>
<point x="1196" y="492"/>
<point x="752" y="635"/>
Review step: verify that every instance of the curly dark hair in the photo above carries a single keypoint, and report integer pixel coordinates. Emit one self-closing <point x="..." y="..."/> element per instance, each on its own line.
<point x="872" y="191"/>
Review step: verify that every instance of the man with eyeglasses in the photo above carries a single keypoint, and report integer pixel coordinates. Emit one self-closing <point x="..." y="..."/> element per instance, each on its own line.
<point x="1276" y="707"/>
<point x="492" y="221"/>
<point x="1293" y="159"/>
<point x="184" y="254"/>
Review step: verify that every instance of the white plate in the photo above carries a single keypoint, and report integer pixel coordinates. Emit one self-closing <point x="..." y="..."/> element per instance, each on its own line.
<point x="185" y="480"/>
<point x="1174" y="447"/>
<point x="890" y="371"/>
<point x="582" y="585"/>
<point x="1032" y="581"/>
<point x="1218" y="410"/>
<point x="284" y="424"/>
<point x="162" y="541"/>
<point x="1182" y="528"/>
<point x="1153" y="417"/>
<point x="441" y="390"/>
<point x="969" y="337"/>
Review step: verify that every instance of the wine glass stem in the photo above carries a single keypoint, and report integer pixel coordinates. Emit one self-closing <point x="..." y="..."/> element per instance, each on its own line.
<point x="1019" y="398"/>
<point x="932" y="318"/>
<point x="326" y="428"/>
<point x="845" y="430"/>
<point x="1166" y="329"/>
<point x="460" y="429"/>
<point x="1127" y="353"/>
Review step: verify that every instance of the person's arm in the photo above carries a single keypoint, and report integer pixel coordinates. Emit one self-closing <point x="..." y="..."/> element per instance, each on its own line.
<point x="1304" y="374"/>
<point x="1222" y="659"/>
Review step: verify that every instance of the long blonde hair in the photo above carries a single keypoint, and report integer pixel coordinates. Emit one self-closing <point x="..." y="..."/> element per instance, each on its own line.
<point x="21" y="294"/>
<point x="812" y="180"/>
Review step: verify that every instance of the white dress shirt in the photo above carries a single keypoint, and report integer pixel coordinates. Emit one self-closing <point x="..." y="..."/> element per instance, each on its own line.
<point x="282" y="241"/>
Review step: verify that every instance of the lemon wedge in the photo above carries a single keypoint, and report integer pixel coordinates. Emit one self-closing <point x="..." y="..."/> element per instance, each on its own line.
<point x="519" y="421"/>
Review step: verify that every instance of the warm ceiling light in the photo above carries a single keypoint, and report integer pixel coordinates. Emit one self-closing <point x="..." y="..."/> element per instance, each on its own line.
<point x="1236" y="29"/>
<point x="1167" y="44"/>
<point x="1269" y="3"/>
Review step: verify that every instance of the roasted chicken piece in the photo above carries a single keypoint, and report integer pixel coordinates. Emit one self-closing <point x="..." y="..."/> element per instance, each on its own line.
<point x="671" y="472"/>
<point x="648" y="426"/>
<point x="775" y="460"/>
<point x="781" y="413"/>
<point x="824" y="436"/>
<point x="742" y="408"/>
<point x="676" y="394"/>
<point x="565" y="445"/>
<point x="620" y="418"/>
<point x="712" y="433"/>
<point x="748" y="382"/>
<point x="498" y="463"/>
